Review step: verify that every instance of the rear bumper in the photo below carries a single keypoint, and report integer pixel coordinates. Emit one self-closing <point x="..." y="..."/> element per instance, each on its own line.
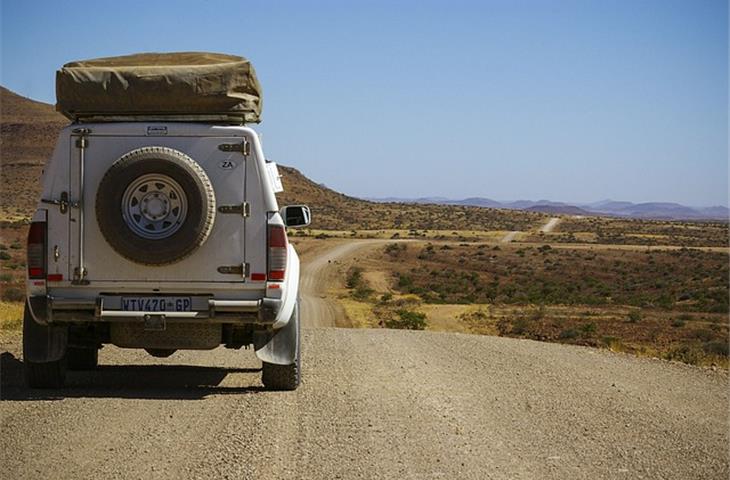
<point x="50" y="309"/>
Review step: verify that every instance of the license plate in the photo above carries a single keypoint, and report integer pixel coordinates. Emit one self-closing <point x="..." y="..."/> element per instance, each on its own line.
<point x="157" y="304"/>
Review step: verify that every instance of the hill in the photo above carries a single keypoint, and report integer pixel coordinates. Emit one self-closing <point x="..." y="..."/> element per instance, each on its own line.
<point x="647" y="211"/>
<point x="28" y="131"/>
<point x="28" y="135"/>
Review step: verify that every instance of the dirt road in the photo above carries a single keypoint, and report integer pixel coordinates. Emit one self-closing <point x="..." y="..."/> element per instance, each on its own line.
<point x="510" y="236"/>
<point x="373" y="404"/>
<point x="319" y="270"/>
<point x="550" y="225"/>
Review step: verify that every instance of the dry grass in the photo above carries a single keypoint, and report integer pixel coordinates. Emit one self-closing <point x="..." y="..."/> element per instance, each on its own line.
<point x="619" y="231"/>
<point x="686" y="330"/>
<point x="11" y="316"/>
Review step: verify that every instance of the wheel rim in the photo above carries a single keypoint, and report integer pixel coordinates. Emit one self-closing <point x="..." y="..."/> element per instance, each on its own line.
<point x="154" y="206"/>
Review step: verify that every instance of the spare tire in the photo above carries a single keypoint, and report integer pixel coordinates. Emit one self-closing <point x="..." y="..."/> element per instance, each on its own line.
<point x="155" y="206"/>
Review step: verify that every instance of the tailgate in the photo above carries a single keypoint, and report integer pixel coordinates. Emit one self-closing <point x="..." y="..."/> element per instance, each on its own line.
<point x="151" y="205"/>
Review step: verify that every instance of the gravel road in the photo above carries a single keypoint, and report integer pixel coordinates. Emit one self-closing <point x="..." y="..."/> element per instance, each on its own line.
<point x="373" y="404"/>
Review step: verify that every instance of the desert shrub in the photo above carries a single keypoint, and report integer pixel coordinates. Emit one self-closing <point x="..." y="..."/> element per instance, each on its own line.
<point x="611" y="341"/>
<point x="386" y="297"/>
<point x="588" y="328"/>
<point x="395" y="249"/>
<point x="6" y="277"/>
<point x="354" y="277"/>
<point x="405" y="282"/>
<point x="362" y="292"/>
<point x="520" y="326"/>
<point x="634" y="316"/>
<point x="4" y="255"/>
<point x="407" y="320"/>
<point x="16" y="245"/>
<point x="720" y="348"/>
<point x="568" y="334"/>
<point x="691" y="354"/>
<point x="13" y="294"/>
<point x="360" y="289"/>
<point x="678" y="322"/>
<point x="703" y="334"/>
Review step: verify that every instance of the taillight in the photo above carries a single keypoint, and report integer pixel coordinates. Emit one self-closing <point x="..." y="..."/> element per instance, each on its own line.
<point x="37" y="250"/>
<point x="277" y="252"/>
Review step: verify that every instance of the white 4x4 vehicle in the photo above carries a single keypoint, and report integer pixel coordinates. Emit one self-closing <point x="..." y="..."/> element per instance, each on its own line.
<point x="161" y="236"/>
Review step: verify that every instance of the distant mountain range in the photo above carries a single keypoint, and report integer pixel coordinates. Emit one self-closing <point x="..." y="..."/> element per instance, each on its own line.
<point x="649" y="210"/>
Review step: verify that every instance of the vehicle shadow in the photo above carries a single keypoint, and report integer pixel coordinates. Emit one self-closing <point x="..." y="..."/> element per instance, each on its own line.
<point x="181" y="382"/>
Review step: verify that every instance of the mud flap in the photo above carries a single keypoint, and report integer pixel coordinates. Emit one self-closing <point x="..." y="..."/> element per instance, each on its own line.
<point x="42" y="344"/>
<point x="281" y="346"/>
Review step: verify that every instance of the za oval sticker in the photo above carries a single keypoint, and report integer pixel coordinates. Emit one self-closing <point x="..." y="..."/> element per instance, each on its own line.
<point x="227" y="165"/>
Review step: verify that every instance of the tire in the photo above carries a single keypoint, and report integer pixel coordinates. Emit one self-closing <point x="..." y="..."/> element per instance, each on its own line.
<point x="285" y="377"/>
<point x="160" y="352"/>
<point x="155" y="206"/>
<point x="82" y="358"/>
<point x="46" y="374"/>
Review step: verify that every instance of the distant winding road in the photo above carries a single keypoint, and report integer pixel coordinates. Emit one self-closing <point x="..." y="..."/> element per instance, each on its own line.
<point x="550" y="225"/>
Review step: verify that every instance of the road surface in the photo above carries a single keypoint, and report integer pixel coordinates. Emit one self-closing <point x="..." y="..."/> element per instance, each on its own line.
<point x="550" y="225"/>
<point x="510" y="236"/>
<point x="373" y="404"/>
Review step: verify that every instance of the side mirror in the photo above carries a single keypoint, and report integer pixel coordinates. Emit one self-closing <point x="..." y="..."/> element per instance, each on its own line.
<point x="296" y="215"/>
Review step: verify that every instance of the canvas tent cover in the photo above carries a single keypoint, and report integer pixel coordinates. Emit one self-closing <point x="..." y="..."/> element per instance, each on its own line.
<point x="187" y="86"/>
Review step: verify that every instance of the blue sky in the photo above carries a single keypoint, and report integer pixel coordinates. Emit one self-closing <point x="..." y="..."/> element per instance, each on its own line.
<point x="563" y="100"/>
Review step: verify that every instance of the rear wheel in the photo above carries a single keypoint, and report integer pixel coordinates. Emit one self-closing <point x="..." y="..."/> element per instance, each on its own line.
<point x="160" y="352"/>
<point x="37" y="374"/>
<point x="285" y="377"/>
<point x="82" y="358"/>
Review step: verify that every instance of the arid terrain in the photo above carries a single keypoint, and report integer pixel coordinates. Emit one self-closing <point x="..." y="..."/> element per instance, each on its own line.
<point x="615" y="365"/>
<point x="374" y="403"/>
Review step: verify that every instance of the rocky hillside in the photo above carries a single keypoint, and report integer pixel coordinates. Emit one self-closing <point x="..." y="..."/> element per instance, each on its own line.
<point x="28" y="135"/>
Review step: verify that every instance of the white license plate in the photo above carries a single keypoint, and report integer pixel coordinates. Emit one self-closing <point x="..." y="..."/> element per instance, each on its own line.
<point x="157" y="304"/>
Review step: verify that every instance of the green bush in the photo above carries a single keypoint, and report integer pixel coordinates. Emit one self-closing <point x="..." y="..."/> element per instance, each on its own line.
<point x="588" y="328"/>
<point x="354" y="277"/>
<point x="717" y="348"/>
<point x="362" y="292"/>
<point x="634" y="316"/>
<point x="407" y="320"/>
<point x="5" y="255"/>
<point x="520" y="326"/>
<point x="568" y="334"/>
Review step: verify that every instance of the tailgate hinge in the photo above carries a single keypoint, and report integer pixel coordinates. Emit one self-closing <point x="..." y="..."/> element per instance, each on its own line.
<point x="244" y="147"/>
<point x="243" y="209"/>
<point x="63" y="203"/>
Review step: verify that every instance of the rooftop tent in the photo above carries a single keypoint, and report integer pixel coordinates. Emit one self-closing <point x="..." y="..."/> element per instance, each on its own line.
<point x="186" y="86"/>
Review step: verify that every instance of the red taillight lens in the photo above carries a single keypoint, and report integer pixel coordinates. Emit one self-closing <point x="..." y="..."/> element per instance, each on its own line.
<point x="277" y="252"/>
<point x="37" y="250"/>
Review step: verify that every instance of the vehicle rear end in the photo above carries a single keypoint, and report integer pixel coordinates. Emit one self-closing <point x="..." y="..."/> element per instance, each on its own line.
<point x="158" y="227"/>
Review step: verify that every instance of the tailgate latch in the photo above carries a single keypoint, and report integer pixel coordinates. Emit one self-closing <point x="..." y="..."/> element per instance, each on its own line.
<point x="242" y="209"/>
<point x="241" y="269"/>
<point x="244" y="147"/>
